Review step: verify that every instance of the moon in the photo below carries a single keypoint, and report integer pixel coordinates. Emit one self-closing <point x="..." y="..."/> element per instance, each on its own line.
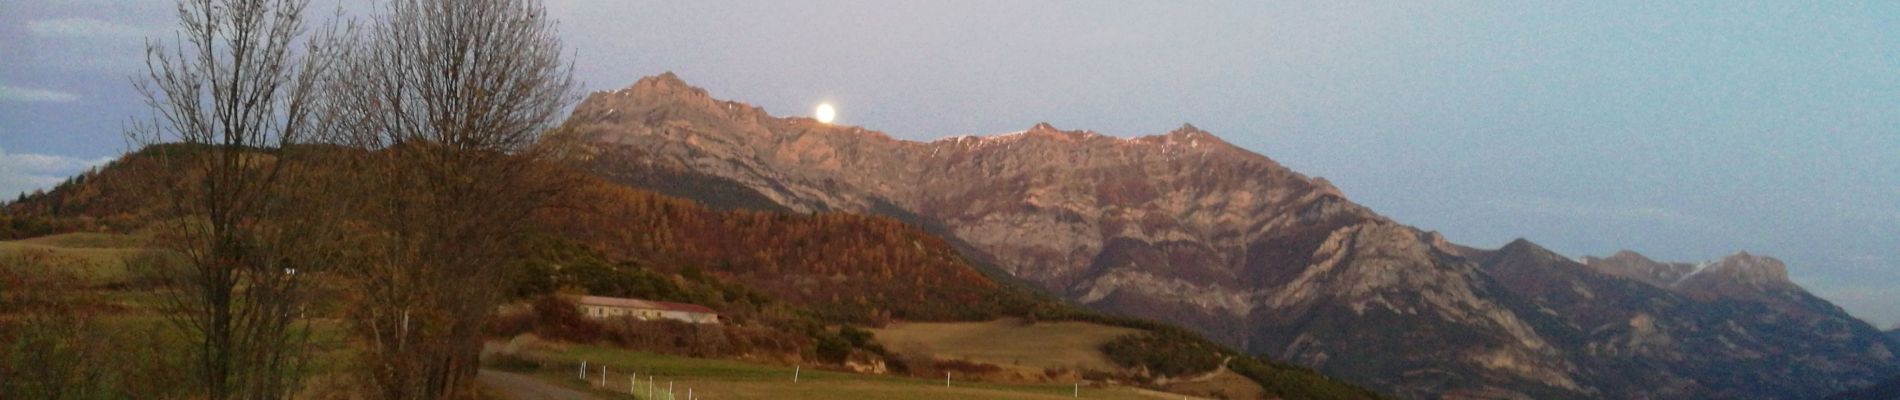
<point x="825" y="113"/>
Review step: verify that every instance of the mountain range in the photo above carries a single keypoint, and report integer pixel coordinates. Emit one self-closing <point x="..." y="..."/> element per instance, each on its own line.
<point x="1186" y="228"/>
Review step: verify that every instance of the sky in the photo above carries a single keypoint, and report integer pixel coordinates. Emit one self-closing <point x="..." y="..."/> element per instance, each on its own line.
<point x="1685" y="130"/>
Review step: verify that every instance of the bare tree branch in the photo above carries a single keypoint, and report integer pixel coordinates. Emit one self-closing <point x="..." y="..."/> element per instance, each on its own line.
<point x="233" y="90"/>
<point x="453" y="97"/>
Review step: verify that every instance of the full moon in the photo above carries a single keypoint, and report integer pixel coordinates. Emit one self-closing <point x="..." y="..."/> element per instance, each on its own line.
<point x="825" y="113"/>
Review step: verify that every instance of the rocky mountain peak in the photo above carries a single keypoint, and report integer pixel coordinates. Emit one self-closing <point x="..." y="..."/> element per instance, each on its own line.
<point x="665" y="85"/>
<point x="1630" y="255"/>
<point x="1636" y="266"/>
<point x="662" y="96"/>
<point x="667" y="78"/>
<point x="1191" y="138"/>
<point x="1522" y="247"/>
<point x="1740" y="276"/>
<point x="1751" y="269"/>
<point x="1737" y="274"/>
<point x="1188" y="130"/>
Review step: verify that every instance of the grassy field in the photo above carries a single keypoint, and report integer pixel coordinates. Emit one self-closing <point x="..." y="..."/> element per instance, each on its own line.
<point x="1223" y="384"/>
<point x="93" y="257"/>
<point x="87" y="240"/>
<point x="1008" y="342"/>
<point x="132" y="318"/>
<point x="721" y="379"/>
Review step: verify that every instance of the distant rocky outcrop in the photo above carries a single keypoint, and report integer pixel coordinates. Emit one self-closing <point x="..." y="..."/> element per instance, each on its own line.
<point x="1187" y="228"/>
<point x="1731" y="328"/>
<point x="1629" y="264"/>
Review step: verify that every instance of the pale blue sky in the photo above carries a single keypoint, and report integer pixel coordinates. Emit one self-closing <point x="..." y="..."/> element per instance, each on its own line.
<point x="1683" y="130"/>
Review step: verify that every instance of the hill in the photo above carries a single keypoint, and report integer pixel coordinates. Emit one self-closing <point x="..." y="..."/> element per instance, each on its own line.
<point x="851" y="268"/>
<point x="1186" y="228"/>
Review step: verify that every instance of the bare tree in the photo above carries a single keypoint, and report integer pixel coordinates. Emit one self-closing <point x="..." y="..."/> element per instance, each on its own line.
<point x="452" y="97"/>
<point x="235" y="90"/>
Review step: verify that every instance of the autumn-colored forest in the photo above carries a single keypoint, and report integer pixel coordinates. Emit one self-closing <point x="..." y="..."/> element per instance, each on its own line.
<point x="850" y="267"/>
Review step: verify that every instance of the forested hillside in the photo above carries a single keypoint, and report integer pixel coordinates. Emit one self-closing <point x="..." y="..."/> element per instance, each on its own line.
<point x="850" y="267"/>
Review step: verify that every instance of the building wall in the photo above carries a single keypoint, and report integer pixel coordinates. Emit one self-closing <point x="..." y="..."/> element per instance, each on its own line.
<point x="595" y="311"/>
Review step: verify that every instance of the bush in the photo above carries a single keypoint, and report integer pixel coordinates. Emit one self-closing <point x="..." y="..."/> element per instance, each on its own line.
<point x="1163" y="355"/>
<point x="55" y="341"/>
<point x="669" y="337"/>
<point x="510" y="323"/>
<point x="559" y="318"/>
<point x="832" y="349"/>
<point x="857" y="337"/>
<point x="966" y="367"/>
<point x="512" y="362"/>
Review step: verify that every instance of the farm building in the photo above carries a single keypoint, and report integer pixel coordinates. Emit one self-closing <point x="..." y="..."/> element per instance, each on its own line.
<point x="645" y="310"/>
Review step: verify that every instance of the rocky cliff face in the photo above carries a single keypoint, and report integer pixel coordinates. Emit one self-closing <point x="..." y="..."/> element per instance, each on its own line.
<point x="1732" y="328"/>
<point x="1186" y="228"/>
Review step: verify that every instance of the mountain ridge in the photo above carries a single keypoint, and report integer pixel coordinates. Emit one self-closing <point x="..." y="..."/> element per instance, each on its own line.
<point x="1185" y="227"/>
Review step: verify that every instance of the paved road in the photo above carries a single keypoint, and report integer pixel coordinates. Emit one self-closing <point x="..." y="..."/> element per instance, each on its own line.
<point x="523" y="387"/>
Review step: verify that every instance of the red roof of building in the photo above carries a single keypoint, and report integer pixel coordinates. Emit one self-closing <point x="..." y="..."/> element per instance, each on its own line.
<point x="644" y="304"/>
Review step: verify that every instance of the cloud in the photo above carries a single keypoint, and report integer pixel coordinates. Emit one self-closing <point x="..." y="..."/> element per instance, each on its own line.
<point x="26" y="172"/>
<point x="82" y="28"/>
<point x="32" y="95"/>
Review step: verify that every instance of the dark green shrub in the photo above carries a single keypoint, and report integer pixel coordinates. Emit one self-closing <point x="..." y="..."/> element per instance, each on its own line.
<point x="1163" y="355"/>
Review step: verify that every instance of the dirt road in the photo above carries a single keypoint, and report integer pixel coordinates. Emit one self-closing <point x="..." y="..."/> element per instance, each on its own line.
<point x="523" y="387"/>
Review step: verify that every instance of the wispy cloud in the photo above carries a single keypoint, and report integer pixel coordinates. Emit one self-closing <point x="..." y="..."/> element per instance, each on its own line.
<point x="83" y="28"/>
<point x="10" y="93"/>
<point x="26" y="172"/>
